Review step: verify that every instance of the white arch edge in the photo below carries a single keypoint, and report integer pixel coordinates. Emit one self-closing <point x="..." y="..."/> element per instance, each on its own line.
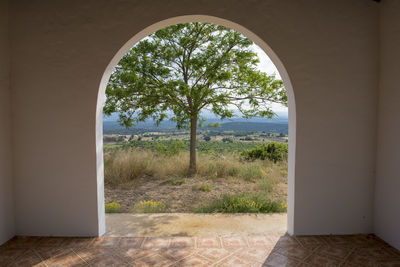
<point x="185" y="19"/>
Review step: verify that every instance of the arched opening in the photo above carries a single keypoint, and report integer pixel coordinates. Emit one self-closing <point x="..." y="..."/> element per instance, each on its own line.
<point x="209" y="19"/>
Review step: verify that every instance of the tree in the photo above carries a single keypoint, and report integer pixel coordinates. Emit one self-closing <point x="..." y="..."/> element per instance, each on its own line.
<point x="180" y="70"/>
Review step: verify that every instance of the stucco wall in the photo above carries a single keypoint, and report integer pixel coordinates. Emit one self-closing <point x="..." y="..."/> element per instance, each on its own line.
<point x="6" y="185"/>
<point x="61" y="49"/>
<point x="387" y="197"/>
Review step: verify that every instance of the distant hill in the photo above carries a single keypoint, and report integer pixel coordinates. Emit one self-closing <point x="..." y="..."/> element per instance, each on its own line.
<point x="253" y="126"/>
<point x="237" y="124"/>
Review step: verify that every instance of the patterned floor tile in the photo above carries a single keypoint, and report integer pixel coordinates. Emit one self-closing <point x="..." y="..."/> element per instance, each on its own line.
<point x="208" y="242"/>
<point x="334" y="251"/>
<point x="51" y="242"/>
<point x="295" y="252"/>
<point x="259" y="241"/>
<point x="67" y="258"/>
<point x="153" y="260"/>
<point x="23" y="242"/>
<point x="89" y="254"/>
<point x="376" y="252"/>
<point x="182" y="242"/>
<point x="131" y="254"/>
<point x="7" y="255"/>
<point x="259" y="254"/>
<point x="254" y="250"/>
<point x="156" y="242"/>
<point x="194" y="260"/>
<point x="389" y="263"/>
<point x="286" y="241"/>
<point x="28" y="259"/>
<point x="105" y="242"/>
<point x="176" y="254"/>
<point x="310" y="240"/>
<point x="317" y="259"/>
<point x="234" y="242"/>
<point x="131" y="242"/>
<point x="214" y="254"/>
<point x="78" y="242"/>
<point x="278" y="260"/>
<point x="234" y="260"/>
<point x="107" y="260"/>
<point x="48" y="252"/>
<point x="361" y="260"/>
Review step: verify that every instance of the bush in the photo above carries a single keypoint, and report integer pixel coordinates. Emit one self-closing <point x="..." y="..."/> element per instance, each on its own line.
<point x="177" y="181"/>
<point x="171" y="149"/>
<point x="243" y="203"/>
<point x="149" y="206"/>
<point x="272" y="151"/>
<point x="205" y="188"/>
<point x="227" y="140"/>
<point x="113" y="207"/>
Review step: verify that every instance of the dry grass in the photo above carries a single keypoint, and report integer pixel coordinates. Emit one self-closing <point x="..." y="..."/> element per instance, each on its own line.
<point x="124" y="166"/>
<point x="135" y="176"/>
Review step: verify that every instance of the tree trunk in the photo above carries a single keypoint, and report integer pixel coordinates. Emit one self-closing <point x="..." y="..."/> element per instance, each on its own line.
<point x="193" y="129"/>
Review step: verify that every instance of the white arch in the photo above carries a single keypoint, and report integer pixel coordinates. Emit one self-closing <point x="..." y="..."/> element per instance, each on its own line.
<point x="185" y="19"/>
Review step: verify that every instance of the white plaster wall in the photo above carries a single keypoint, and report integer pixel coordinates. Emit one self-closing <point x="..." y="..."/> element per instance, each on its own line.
<point x="387" y="197"/>
<point x="62" y="48"/>
<point x="6" y="183"/>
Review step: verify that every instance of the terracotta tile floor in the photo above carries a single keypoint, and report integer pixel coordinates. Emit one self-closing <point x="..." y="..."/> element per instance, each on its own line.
<point x="251" y="250"/>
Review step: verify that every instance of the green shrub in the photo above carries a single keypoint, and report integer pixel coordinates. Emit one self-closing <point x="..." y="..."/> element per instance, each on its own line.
<point x="177" y="181"/>
<point x="205" y="188"/>
<point x="113" y="207"/>
<point x="149" y="206"/>
<point x="272" y="151"/>
<point x="243" y="203"/>
<point x="170" y="149"/>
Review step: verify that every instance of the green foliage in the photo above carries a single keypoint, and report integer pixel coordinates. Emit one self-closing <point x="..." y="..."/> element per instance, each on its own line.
<point x="207" y="138"/>
<point x="177" y="181"/>
<point x="149" y="206"/>
<point x="205" y="188"/>
<point x="207" y="147"/>
<point x="243" y="203"/>
<point x="113" y="207"/>
<point x="170" y="148"/>
<point x="272" y="151"/>
<point x="184" y="68"/>
<point x="227" y="140"/>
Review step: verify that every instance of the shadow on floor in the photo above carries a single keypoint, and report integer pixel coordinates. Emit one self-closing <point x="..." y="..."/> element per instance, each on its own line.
<point x="250" y="250"/>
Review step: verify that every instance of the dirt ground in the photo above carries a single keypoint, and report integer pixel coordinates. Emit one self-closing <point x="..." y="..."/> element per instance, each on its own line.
<point x="189" y="224"/>
<point x="185" y="197"/>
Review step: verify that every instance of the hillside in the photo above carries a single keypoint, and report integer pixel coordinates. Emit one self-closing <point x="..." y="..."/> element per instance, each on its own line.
<point x="113" y="127"/>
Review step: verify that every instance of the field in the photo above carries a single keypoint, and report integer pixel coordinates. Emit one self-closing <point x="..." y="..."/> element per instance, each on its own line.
<point x="147" y="172"/>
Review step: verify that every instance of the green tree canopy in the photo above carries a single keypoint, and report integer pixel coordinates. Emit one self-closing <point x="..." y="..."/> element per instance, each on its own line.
<point x="177" y="71"/>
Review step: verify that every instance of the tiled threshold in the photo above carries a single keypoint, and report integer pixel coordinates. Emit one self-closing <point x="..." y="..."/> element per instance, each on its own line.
<point x="243" y="250"/>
